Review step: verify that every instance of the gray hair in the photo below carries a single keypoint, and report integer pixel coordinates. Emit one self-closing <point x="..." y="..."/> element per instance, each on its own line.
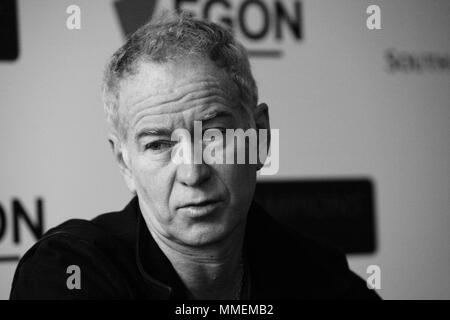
<point x="172" y="37"/>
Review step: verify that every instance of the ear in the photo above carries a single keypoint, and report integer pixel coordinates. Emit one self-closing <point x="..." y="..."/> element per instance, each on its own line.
<point x="261" y="116"/>
<point x="121" y="155"/>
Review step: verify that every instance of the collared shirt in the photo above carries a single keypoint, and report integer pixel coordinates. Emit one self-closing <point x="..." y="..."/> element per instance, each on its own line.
<point x="119" y="259"/>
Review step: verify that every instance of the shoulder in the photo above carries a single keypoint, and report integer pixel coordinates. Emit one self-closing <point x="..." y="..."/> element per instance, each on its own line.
<point x="290" y="243"/>
<point x="78" y="246"/>
<point x="310" y="267"/>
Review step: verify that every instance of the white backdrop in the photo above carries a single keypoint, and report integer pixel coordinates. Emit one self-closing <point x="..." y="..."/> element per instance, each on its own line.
<point x="340" y="111"/>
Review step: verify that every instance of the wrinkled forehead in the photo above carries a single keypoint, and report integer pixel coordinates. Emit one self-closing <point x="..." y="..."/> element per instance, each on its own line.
<point x="164" y="91"/>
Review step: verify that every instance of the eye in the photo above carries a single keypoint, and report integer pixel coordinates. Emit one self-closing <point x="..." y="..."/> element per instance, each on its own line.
<point x="216" y="130"/>
<point x="214" y="134"/>
<point x="160" y="145"/>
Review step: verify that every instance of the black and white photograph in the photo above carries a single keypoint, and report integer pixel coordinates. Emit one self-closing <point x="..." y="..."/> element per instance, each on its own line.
<point x="224" y="156"/>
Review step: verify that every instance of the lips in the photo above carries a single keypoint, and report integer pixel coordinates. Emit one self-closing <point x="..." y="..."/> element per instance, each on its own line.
<point x="200" y="203"/>
<point x="201" y="208"/>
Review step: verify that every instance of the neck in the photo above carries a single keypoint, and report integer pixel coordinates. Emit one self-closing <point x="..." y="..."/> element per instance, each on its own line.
<point x="212" y="271"/>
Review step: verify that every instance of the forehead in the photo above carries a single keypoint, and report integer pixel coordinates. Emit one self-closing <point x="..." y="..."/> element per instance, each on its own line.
<point x="164" y="90"/>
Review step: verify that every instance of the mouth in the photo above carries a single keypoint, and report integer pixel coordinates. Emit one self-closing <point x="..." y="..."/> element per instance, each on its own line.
<point x="200" y="208"/>
<point x="200" y="203"/>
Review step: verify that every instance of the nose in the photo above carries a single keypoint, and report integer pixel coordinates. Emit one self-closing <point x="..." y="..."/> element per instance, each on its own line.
<point x="193" y="174"/>
<point x="192" y="171"/>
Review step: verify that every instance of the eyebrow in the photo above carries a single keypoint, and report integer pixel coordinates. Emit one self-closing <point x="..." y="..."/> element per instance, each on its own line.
<point x="163" y="131"/>
<point x="153" y="132"/>
<point x="216" y="114"/>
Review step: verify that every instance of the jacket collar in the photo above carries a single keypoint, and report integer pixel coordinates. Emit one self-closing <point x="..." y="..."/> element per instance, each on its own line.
<point x="260" y="251"/>
<point x="155" y="267"/>
<point x="278" y="267"/>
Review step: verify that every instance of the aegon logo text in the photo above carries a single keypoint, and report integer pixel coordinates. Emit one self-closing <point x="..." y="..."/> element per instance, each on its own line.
<point x="13" y="220"/>
<point x="256" y="21"/>
<point x="262" y="25"/>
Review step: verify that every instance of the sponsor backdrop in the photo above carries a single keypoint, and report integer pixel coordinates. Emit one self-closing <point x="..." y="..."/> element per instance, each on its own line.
<point x="350" y="102"/>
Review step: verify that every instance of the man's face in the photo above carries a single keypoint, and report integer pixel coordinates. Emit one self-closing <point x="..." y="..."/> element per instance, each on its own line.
<point x="192" y="204"/>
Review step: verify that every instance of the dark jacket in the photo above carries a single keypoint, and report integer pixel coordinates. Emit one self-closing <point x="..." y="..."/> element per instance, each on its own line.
<point x="119" y="259"/>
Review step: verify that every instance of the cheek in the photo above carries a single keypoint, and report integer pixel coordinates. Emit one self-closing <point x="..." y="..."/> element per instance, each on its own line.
<point x="153" y="183"/>
<point x="239" y="180"/>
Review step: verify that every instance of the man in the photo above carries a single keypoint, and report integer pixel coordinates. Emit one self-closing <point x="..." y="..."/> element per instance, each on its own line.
<point x="192" y="230"/>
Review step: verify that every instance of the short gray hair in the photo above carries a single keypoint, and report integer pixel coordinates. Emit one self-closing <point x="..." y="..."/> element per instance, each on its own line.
<point x="171" y="37"/>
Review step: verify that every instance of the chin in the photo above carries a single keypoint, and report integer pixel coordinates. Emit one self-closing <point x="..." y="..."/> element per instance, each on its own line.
<point x="204" y="235"/>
